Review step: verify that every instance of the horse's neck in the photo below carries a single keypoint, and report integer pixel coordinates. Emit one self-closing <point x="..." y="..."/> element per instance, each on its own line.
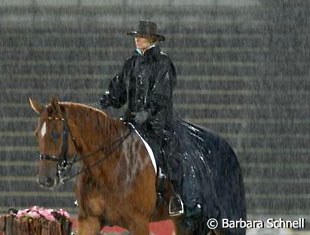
<point x="124" y="159"/>
<point x="92" y="128"/>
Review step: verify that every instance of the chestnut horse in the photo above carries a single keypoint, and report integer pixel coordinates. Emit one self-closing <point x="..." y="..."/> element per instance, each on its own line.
<point x="116" y="183"/>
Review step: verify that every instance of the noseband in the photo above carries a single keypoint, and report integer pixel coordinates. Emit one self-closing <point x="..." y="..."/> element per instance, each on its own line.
<point x="63" y="164"/>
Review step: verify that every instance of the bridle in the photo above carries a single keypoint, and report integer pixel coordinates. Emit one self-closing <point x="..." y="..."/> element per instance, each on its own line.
<point x="64" y="166"/>
<point x="63" y="163"/>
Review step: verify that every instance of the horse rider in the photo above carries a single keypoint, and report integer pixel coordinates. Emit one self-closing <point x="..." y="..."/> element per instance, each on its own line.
<point x="146" y="85"/>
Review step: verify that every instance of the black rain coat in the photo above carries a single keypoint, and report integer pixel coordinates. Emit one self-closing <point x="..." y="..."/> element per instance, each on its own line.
<point x="146" y="84"/>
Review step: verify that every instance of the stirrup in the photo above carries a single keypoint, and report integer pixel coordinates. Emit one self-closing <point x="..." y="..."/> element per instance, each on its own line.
<point x="172" y="205"/>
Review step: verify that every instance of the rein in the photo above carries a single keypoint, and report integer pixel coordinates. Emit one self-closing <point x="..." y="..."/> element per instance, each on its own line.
<point x="64" y="165"/>
<point x="116" y="144"/>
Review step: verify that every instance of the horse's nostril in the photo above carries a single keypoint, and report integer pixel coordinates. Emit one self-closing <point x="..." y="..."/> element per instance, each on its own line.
<point x="49" y="181"/>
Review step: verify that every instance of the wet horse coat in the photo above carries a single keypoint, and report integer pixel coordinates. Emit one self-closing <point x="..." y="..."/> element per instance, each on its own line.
<point x="117" y="182"/>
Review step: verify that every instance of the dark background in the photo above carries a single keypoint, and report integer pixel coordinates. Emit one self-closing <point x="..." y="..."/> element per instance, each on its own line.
<point x="243" y="71"/>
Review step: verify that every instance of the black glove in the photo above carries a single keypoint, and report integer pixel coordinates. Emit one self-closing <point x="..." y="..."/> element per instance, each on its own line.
<point x="105" y="101"/>
<point x="141" y="117"/>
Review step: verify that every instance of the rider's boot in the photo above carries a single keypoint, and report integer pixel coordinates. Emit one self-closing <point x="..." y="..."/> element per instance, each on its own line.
<point x="190" y="189"/>
<point x="192" y="214"/>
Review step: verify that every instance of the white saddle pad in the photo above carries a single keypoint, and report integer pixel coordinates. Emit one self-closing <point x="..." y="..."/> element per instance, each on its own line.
<point x="149" y="149"/>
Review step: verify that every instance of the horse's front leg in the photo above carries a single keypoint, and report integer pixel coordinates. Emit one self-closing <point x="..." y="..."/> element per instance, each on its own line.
<point x="139" y="226"/>
<point x="88" y="226"/>
<point x="141" y="229"/>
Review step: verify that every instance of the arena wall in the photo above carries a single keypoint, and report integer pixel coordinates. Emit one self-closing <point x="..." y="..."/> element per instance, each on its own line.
<point x="242" y="71"/>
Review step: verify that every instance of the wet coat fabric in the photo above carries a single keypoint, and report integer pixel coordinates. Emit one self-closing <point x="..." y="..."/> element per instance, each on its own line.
<point x="146" y="84"/>
<point x="211" y="175"/>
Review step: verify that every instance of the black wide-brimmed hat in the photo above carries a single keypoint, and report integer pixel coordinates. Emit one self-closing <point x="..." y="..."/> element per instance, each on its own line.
<point x="147" y="29"/>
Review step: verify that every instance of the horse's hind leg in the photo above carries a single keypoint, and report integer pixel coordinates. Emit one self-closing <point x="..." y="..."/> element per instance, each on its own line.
<point x="88" y="226"/>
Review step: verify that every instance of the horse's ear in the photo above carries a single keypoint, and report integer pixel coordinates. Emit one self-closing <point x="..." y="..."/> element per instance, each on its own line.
<point x="55" y="105"/>
<point x="36" y="106"/>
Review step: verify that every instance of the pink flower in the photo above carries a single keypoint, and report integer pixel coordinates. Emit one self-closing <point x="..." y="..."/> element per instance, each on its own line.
<point x="40" y="212"/>
<point x="47" y="215"/>
<point x="22" y="213"/>
<point x="32" y="214"/>
<point x="64" y="213"/>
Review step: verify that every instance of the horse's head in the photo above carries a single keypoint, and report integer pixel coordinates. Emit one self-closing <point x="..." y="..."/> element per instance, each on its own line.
<point x="56" y="145"/>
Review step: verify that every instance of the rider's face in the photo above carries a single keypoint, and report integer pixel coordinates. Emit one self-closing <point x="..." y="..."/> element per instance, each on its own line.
<point x="142" y="43"/>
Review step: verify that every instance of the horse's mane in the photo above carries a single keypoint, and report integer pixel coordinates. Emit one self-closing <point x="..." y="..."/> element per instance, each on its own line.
<point x="85" y="108"/>
<point x="97" y="121"/>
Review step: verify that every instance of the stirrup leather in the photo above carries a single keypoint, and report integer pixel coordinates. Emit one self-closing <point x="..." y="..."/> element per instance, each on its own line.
<point x="179" y="200"/>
